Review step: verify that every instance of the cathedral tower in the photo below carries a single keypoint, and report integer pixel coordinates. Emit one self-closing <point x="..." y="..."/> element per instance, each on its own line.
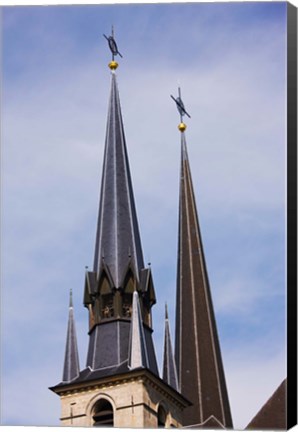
<point x="197" y="351"/>
<point x="120" y="385"/>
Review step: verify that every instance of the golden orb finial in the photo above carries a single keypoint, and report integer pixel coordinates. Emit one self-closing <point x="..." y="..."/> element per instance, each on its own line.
<point x="182" y="127"/>
<point x="113" y="65"/>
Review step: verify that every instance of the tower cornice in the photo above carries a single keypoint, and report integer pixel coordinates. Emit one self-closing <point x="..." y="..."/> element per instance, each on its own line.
<point x="147" y="376"/>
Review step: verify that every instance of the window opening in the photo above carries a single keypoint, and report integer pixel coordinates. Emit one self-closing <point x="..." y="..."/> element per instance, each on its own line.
<point x="107" y="310"/>
<point x="127" y="305"/>
<point x="161" y="417"/>
<point x="103" y="414"/>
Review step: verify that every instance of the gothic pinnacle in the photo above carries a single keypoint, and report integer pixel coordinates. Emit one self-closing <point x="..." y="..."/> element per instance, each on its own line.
<point x="71" y="369"/>
<point x="169" y="365"/>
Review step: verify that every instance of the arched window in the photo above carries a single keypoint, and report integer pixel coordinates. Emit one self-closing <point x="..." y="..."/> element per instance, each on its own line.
<point x="161" y="416"/>
<point x="102" y="413"/>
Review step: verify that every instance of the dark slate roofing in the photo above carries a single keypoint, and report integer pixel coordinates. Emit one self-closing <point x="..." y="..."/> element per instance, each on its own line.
<point x="71" y="368"/>
<point x="88" y="374"/>
<point x="108" y="344"/>
<point x="169" y="365"/>
<point x="273" y="413"/>
<point x="138" y="355"/>
<point x="117" y="238"/>
<point x="197" y="351"/>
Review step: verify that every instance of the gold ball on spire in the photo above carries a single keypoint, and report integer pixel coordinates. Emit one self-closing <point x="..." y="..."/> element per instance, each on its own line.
<point x="182" y="127"/>
<point x="113" y="65"/>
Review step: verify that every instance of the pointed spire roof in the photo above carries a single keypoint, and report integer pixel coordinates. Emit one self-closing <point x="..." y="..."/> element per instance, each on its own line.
<point x="118" y="258"/>
<point x="273" y="414"/>
<point x="198" y="358"/>
<point x="138" y="356"/>
<point x="169" y="365"/>
<point x="71" y="368"/>
<point x="117" y="239"/>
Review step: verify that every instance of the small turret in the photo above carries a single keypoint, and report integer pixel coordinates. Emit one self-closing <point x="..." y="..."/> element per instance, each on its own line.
<point x="169" y="365"/>
<point x="138" y="356"/>
<point x="71" y="368"/>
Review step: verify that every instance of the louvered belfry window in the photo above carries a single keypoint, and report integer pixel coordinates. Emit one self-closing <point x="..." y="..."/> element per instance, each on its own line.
<point x="127" y="305"/>
<point x="161" y="417"/>
<point x="127" y="296"/>
<point x="107" y="306"/>
<point x="103" y="414"/>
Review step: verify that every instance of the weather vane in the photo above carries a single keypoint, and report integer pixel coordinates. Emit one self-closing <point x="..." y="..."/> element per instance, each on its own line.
<point x="181" y="109"/>
<point x="114" y="50"/>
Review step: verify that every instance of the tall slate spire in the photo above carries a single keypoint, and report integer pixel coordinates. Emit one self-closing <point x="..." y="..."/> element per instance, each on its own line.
<point x="169" y="365"/>
<point x="118" y="269"/>
<point x="197" y="351"/>
<point x="71" y="368"/>
<point x="117" y="240"/>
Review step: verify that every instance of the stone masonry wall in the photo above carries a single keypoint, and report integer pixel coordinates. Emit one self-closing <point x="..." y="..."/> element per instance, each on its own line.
<point x="135" y="403"/>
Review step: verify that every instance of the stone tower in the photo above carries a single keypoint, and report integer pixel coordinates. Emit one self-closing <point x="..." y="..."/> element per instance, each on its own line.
<point x="199" y="365"/>
<point x="120" y="385"/>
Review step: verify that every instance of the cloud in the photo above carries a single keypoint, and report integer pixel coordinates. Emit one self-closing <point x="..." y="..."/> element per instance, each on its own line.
<point x="20" y="407"/>
<point x="251" y="381"/>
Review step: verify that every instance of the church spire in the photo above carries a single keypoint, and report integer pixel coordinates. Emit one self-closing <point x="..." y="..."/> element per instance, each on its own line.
<point x="169" y="366"/>
<point x="118" y="241"/>
<point x="118" y="269"/>
<point x="71" y="368"/>
<point x="198" y="358"/>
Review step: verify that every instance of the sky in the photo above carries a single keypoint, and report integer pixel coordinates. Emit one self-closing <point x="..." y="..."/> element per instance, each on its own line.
<point x="230" y="62"/>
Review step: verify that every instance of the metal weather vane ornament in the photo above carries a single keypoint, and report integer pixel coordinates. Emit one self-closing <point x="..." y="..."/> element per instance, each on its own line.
<point x="114" y="50"/>
<point x="181" y="109"/>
